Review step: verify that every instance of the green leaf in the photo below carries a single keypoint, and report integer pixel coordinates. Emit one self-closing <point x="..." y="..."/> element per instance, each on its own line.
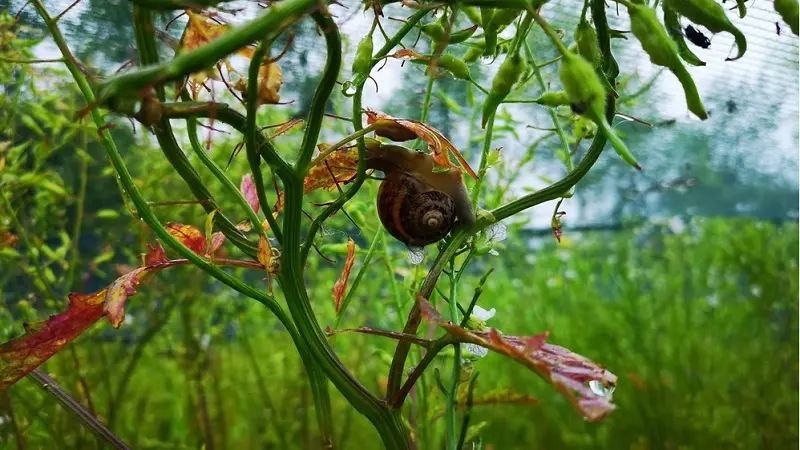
<point x="30" y="123"/>
<point x="107" y="214"/>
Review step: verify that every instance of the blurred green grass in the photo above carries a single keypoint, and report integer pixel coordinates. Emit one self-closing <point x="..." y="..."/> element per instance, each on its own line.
<point x="700" y="326"/>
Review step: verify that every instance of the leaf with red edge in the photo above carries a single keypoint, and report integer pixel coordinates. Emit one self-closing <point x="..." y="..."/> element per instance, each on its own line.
<point x="248" y="188"/>
<point x="568" y="372"/>
<point x="340" y="286"/>
<point x="189" y="235"/>
<point x="44" y="339"/>
<point x="337" y="168"/>
<point x="400" y="130"/>
<point x="217" y="239"/>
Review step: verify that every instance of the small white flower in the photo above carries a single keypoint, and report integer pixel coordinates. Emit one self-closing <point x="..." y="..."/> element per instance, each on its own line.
<point x="482" y="314"/>
<point x="205" y="341"/>
<point x="477" y="320"/>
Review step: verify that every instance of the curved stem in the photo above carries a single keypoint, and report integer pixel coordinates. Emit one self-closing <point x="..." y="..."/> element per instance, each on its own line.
<point x="219" y="174"/>
<point x="251" y="145"/>
<point x="275" y="19"/>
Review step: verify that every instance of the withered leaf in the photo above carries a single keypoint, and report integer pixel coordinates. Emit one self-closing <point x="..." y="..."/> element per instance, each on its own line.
<point x="568" y="372"/>
<point x="401" y="130"/>
<point x="340" y="286"/>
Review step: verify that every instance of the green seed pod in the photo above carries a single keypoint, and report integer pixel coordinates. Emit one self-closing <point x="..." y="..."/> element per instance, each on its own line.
<point x="711" y="15"/>
<point x="587" y="97"/>
<point x="589" y="48"/>
<point x="742" y="6"/>
<point x="663" y="52"/>
<point x="435" y="31"/>
<point x="455" y="66"/>
<point x="588" y="45"/>
<point x="462" y="35"/>
<point x="473" y="53"/>
<point x="674" y="29"/>
<point x="473" y="14"/>
<point x="508" y="74"/>
<point x="490" y="40"/>
<point x="363" y="57"/>
<point x="788" y="10"/>
<point x="553" y="99"/>
<point x="503" y="18"/>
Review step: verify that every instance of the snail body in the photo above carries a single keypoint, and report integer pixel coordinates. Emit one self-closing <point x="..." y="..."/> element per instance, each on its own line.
<point x="417" y="205"/>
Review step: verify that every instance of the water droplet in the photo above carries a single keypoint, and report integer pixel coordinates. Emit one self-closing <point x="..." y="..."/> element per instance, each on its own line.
<point x="416" y="255"/>
<point x="598" y="389"/>
<point x="348" y="89"/>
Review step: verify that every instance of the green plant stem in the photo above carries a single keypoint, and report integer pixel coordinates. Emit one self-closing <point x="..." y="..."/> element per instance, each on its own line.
<point x="487" y="144"/>
<point x="426" y="104"/>
<point x="229" y="116"/>
<point x="219" y="174"/>
<point x="414" y="316"/>
<point x="275" y="19"/>
<point x="357" y="127"/>
<point x="556" y="124"/>
<point x="127" y="182"/>
<point x="550" y="32"/>
<point x="37" y="266"/>
<point x="76" y="231"/>
<point x="451" y="424"/>
<point x="251" y="144"/>
<point x="344" y="141"/>
<point x="316" y="346"/>
<point x="420" y="368"/>
<point x="148" y="55"/>
<point x="551" y="192"/>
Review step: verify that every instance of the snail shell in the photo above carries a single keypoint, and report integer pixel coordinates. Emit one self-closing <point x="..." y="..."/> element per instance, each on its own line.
<point x="413" y="212"/>
<point x="417" y="204"/>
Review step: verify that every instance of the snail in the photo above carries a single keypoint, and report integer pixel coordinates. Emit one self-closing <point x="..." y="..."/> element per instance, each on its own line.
<point x="418" y="204"/>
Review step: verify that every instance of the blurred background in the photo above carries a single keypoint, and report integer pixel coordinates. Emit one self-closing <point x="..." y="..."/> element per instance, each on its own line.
<point x="681" y="279"/>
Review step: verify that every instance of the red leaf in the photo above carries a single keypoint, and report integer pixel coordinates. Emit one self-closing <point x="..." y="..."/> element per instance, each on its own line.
<point x="568" y="372"/>
<point x="217" y="239"/>
<point x="341" y="284"/>
<point x="248" y="188"/>
<point x="119" y="291"/>
<point x="189" y="235"/>
<point x="44" y="339"/>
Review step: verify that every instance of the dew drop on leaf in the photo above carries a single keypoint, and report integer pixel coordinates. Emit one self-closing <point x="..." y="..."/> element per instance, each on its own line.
<point x="416" y="255"/>
<point x="597" y="387"/>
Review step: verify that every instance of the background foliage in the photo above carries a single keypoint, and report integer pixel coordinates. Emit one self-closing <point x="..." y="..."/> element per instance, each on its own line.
<point x="698" y="316"/>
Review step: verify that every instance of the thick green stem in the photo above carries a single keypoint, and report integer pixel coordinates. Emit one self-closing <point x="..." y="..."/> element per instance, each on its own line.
<point x="450" y="407"/>
<point x="251" y="141"/>
<point x="275" y="19"/>
<point x="146" y="46"/>
<point x="291" y="275"/>
<point x="76" y="231"/>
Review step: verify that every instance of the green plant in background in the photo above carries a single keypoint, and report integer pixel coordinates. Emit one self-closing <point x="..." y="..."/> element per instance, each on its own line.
<point x="282" y="249"/>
